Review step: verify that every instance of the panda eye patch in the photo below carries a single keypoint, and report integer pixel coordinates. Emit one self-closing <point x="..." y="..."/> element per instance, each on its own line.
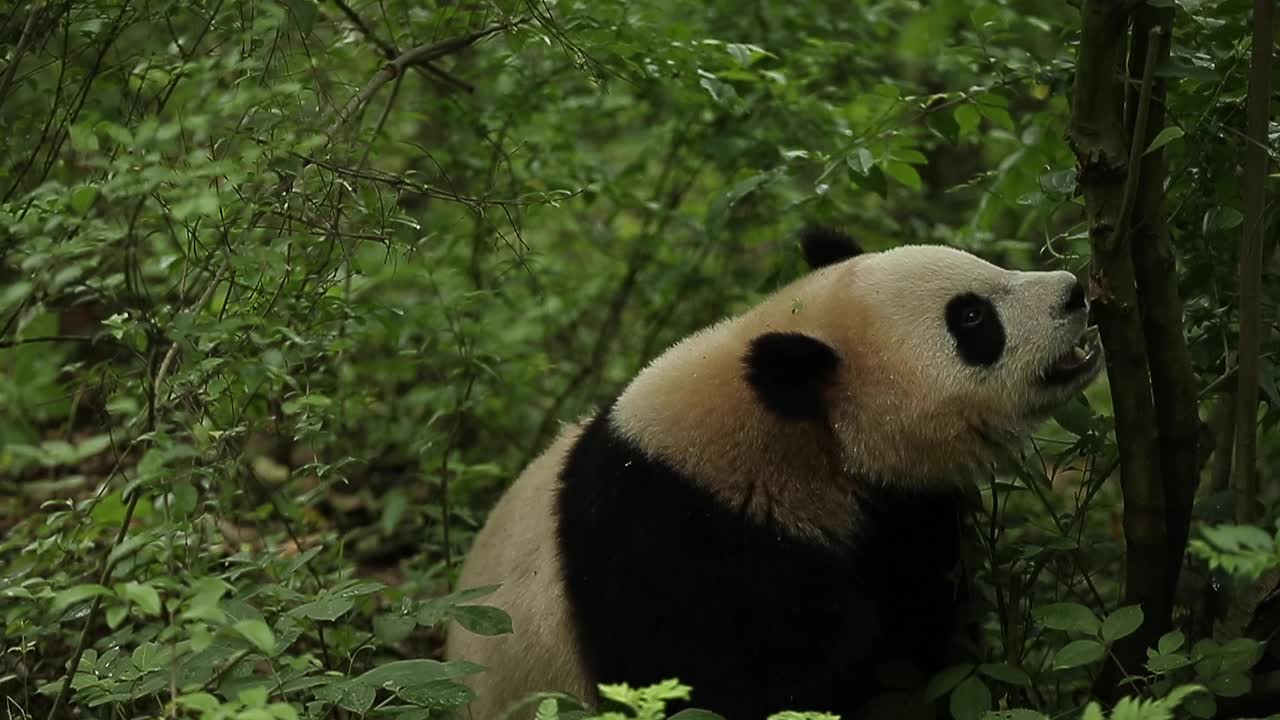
<point x="975" y="326"/>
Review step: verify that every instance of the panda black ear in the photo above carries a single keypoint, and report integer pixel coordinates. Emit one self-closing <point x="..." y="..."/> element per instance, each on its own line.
<point x="788" y="372"/>
<point x="825" y="246"/>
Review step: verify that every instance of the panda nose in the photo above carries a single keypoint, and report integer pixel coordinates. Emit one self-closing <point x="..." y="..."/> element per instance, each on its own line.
<point x="1075" y="299"/>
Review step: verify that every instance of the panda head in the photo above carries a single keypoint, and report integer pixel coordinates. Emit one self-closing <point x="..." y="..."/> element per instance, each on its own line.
<point x="920" y="357"/>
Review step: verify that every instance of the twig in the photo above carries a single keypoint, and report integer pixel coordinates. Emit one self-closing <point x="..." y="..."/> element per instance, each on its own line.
<point x="414" y="56"/>
<point x="390" y="51"/>
<point x="1248" y="347"/>
<point x="107" y="564"/>
<point x="49" y="339"/>
<point x="18" y="52"/>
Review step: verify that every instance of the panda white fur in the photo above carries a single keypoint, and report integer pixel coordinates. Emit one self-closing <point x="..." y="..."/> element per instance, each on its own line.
<point x="770" y="510"/>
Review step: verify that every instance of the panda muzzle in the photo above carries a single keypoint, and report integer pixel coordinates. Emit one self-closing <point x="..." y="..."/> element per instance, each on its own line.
<point x="1079" y="361"/>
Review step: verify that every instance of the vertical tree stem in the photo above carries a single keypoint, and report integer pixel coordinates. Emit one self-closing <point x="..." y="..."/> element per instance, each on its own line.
<point x="1174" y="384"/>
<point x="1107" y="175"/>
<point x="1255" y="169"/>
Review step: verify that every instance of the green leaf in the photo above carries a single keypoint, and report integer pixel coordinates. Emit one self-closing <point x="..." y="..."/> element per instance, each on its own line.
<point x="72" y="595"/>
<point x="945" y="680"/>
<point x="696" y="714"/>
<point x="1221" y="218"/>
<point x="1164" y="137"/>
<point x="82" y="198"/>
<point x="258" y="633"/>
<point x="1167" y="662"/>
<point x="348" y="694"/>
<point x="144" y="596"/>
<point x="326" y="609"/>
<point x="185" y="498"/>
<point x="483" y="619"/>
<point x="971" y="699"/>
<point x="1069" y="617"/>
<point x="407" y="673"/>
<point x="1170" y="642"/>
<point x="83" y="139"/>
<point x="967" y="118"/>
<point x="1006" y="673"/>
<point x="1059" y="182"/>
<point x="904" y="173"/>
<point x="1201" y="705"/>
<point x="860" y="161"/>
<point x="1124" y="621"/>
<point x="1017" y="714"/>
<point x="1080" y="652"/>
<point x="1230" y="685"/>
<point x="393" y="628"/>
<point x="437" y="694"/>
<point x="548" y="709"/>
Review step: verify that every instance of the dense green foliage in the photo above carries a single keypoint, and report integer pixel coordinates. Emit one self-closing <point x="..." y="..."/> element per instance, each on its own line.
<point x="277" y="324"/>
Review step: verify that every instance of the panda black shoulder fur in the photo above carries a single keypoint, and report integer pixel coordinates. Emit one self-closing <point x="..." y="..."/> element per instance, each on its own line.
<point x="769" y="511"/>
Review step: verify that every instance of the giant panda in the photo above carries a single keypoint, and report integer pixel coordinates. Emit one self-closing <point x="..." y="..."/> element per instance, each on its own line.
<point x="770" y="510"/>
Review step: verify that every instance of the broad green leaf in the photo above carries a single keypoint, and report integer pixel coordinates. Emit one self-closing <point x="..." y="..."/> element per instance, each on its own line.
<point x="326" y="609"/>
<point x="860" y="161"/>
<point x="1070" y="617"/>
<point x="82" y="198"/>
<point x="1077" y="653"/>
<point x="945" y="680"/>
<point x="407" y="673"/>
<point x="78" y="593"/>
<point x="348" y="694"/>
<point x="144" y="596"/>
<point x="1164" y="137"/>
<point x="393" y="628"/>
<point x="967" y="118"/>
<point x="904" y="173"/>
<point x="1006" y="673"/>
<point x="1124" y="621"/>
<point x="1230" y="685"/>
<point x="437" y="694"/>
<point x="1166" y="662"/>
<point x="971" y="699"/>
<point x="83" y="139"/>
<point x="548" y="709"/>
<point x="258" y="633"/>
<point x="696" y="714"/>
<point x="1171" y="642"/>
<point x="483" y="619"/>
<point x="1221" y="218"/>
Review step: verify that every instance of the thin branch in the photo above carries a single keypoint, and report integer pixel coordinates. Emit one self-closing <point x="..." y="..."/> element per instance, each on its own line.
<point x="390" y="51"/>
<point x="18" y="52"/>
<point x="419" y="55"/>
<point x="49" y="339"/>
<point x="107" y="564"/>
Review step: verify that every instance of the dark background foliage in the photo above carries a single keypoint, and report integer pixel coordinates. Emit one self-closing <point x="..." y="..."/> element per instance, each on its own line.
<point x="290" y="291"/>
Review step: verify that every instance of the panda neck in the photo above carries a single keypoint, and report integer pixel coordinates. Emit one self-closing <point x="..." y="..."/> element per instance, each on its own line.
<point x="692" y="410"/>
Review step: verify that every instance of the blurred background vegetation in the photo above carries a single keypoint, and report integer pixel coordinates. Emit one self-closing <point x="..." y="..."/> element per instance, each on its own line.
<point x="290" y="292"/>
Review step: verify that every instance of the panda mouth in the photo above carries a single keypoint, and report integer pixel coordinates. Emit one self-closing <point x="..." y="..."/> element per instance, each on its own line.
<point x="1082" y="360"/>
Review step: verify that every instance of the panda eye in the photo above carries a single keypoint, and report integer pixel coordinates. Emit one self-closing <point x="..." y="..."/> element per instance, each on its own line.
<point x="973" y="316"/>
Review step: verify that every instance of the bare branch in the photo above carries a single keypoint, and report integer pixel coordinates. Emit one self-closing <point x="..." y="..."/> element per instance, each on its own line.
<point x="419" y="55"/>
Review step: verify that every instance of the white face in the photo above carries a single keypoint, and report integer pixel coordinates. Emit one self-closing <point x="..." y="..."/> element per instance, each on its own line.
<point x="1009" y="346"/>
